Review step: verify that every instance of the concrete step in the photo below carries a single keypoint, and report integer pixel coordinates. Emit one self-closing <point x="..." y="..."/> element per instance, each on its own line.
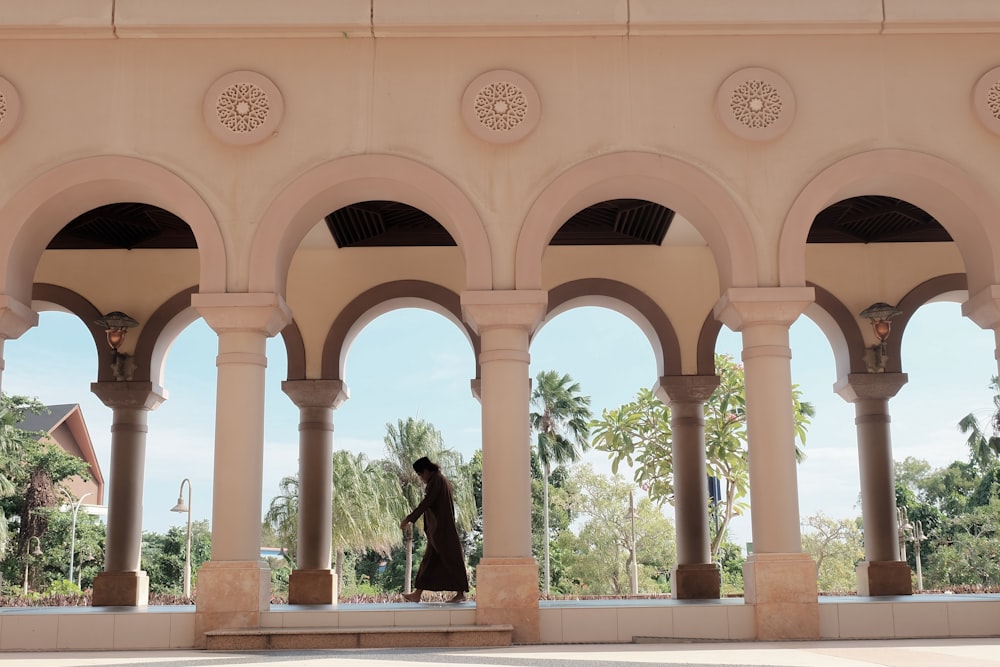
<point x="433" y="636"/>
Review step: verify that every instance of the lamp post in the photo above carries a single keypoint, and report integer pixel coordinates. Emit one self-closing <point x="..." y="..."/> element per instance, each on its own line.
<point x="72" y="535"/>
<point x="28" y="553"/>
<point x="181" y="506"/>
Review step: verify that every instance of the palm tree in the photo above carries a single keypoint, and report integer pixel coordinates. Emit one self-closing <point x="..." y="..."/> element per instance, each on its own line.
<point x="405" y="442"/>
<point x="983" y="448"/>
<point x="365" y="512"/>
<point x="366" y="507"/>
<point x="562" y="423"/>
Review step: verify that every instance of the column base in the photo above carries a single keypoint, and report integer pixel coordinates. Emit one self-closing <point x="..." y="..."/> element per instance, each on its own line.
<point x="121" y="589"/>
<point x="782" y="589"/>
<point x="884" y="577"/>
<point x="231" y="594"/>
<point x="696" y="581"/>
<point x="507" y="592"/>
<point x="312" y="587"/>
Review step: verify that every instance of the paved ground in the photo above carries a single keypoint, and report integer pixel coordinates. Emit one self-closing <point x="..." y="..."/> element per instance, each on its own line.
<point x="902" y="653"/>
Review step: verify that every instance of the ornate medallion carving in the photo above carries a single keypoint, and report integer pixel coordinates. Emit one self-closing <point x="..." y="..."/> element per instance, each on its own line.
<point x="756" y="104"/>
<point x="10" y="107"/>
<point x="500" y="106"/>
<point x="243" y="108"/>
<point x="986" y="100"/>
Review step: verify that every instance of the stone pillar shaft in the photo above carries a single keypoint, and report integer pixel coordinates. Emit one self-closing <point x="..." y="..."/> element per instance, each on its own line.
<point x="882" y="573"/>
<point x="313" y="581"/>
<point x="507" y="576"/>
<point x="130" y="403"/>
<point x="779" y="580"/>
<point x="686" y="396"/>
<point x="234" y="587"/>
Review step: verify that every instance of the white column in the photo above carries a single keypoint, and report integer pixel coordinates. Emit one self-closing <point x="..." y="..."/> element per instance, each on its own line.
<point x="123" y="583"/>
<point x="234" y="587"/>
<point x="882" y="573"/>
<point x="779" y="579"/>
<point x="313" y="581"/>
<point x="695" y="576"/>
<point x="507" y="576"/>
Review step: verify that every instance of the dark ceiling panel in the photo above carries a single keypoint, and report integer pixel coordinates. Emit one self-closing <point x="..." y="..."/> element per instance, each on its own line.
<point x="875" y="219"/>
<point x="385" y="224"/>
<point x="124" y="226"/>
<point x="616" y="222"/>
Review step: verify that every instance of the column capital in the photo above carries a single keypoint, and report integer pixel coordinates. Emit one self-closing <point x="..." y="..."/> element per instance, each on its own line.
<point x="685" y="388"/>
<point x="263" y="312"/>
<point x="137" y="395"/>
<point x="983" y="307"/>
<point x="486" y="309"/>
<point x="15" y="317"/>
<point x="316" y="393"/>
<point x="740" y="307"/>
<point x="865" y="386"/>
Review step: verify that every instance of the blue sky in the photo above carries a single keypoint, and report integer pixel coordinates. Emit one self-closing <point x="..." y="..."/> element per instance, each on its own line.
<point x="416" y="363"/>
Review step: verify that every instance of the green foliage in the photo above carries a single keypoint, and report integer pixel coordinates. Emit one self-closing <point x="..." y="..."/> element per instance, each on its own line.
<point x="596" y="561"/>
<point x="730" y="559"/>
<point x="561" y="424"/>
<point x="560" y="420"/>
<point x="163" y="556"/>
<point x="983" y="441"/>
<point x="969" y="552"/>
<point x="639" y="435"/>
<point x="837" y="547"/>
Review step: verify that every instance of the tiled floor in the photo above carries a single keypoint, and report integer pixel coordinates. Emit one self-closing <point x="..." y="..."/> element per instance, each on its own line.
<point x="888" y="653"/>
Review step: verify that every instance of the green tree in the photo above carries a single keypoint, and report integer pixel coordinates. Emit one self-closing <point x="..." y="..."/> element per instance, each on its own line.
<point x="163" y="556"/>
<point x="31" y="470"/>
<point x="13" y="441"/>
<point x="598" y="558"/>
<point x="837" y="547"/>
<point x="561" y="422"/>
<point x="405" y="442"/>
<point x="983" y="442"/>
<point x="638" y="434"/>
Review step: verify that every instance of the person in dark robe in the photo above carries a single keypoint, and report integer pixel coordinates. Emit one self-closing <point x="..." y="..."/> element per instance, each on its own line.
<point x="443" y="565"/>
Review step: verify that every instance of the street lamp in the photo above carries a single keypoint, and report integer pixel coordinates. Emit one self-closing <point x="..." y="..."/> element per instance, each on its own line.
<point x="27" y="556"/>
<point x="182" y="507"/>
<point x="72" y="534"/>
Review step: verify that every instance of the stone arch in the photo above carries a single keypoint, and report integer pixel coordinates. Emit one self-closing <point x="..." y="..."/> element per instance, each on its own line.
<point x="173" y="317"/>
<point x="707" y="338"/>
<point x="953" y="197"/>
<point x="68" y="301"/>
<point x="382" y="299"/>
<point x="664" y="180"/>
<point x="359" y="178"/>
<point x="923" y="293"/>
<point x="840" y="327"/>
<point x="630" y="302"/>
<point x="159" y="333"/>
<point x="40" y="209"/>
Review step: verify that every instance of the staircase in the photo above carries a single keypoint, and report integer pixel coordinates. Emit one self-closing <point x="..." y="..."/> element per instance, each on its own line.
<point x="445" y="636"/>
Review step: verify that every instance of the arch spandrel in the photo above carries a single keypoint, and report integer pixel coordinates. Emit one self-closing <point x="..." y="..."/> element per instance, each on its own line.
<point x="34" y="215"/>
<point x="964" y="207"/>
<point x="664" y="180"/>
<point x="350" y="180"/>
<point x="379" y="300"/>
